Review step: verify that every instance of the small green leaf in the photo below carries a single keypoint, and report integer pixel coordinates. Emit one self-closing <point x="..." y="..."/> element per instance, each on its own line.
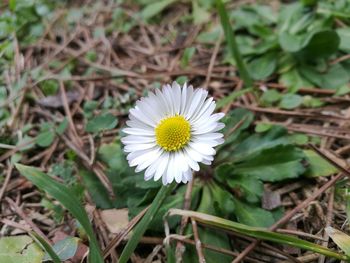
<point x="155" y="8"/>
<point x="61" y="128"/>
<point x="318" y="166"/>
<point x="263" y="66"/>
<point x="291" y="101"/>
<point x="45" y="138"/>
<point x="271" y="96"/>
<point x="187" y="56"/>
<point x="20" y="249"/>
<point x="102" y="122"/>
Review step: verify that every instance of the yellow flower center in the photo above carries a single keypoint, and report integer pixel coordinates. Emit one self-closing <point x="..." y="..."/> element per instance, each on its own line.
<point x="173" y="133"/>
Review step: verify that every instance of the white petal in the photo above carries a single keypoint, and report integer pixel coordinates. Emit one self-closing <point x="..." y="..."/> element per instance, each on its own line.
<point x="163" y="164"/>
<point x="202" y="148"/>
<point x="132" y="139"/>
<point x="138" y="147"/>
<point x="137" y="131"/>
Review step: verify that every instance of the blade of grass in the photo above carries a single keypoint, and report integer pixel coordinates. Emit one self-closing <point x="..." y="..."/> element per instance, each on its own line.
<point x="232" y="44"/>
<point x="38" y="239"/>
<point x="141" y="227"/>
<point x="67" y="198"/>
<point x="232" y="97"/>
<point x="256" y="232"/>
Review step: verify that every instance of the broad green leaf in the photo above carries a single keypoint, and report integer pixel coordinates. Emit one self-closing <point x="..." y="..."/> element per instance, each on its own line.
<point x="263" y="127"/>
<point x="155" y="8"/>
<point x="340" y="238"/>
<point x="65" y="248"/>
<point x="263" y="66"/>
<point x="320" y="44"/>
<point x="102" y="122"/>
<point x="274" y="164"/>
<point x="20" y="249"/>
<point x="67" y="198"/>
<point x="252" y="215"/>
<point x="256" y="232"/>
<point x="318" y="166"/>
<point x="290" y="101"/>
<point x="252" y="145"/>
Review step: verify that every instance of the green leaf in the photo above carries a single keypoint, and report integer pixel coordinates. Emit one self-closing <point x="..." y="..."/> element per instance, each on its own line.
<point x="320" y="44"/>
<point x="263" y="127"/>
<point x="344" y="34"/>
<point x="291" y="101"/>
<point x="20" y="249"/>
<point x="263" y="66"/>
<point x="252" y="146"/>
<point x="341" y="239"/>
<point x="45" y="138"/>
<point x="256" y="232"/>
<point x="67" y="198"/>
<point x="102" y="122"/>
<point x="65" y="248"/>
<point x="271" y="96"/>
<point x="61" y="128"/>
<point x="318" y="166"/>
<point x="274" y="164"/>
<point x="187" y="56"/>
<point x="252" y="215"/>
<point x="155" y="8"/>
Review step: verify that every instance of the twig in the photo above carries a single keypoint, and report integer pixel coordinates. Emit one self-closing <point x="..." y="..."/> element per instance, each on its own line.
<point x="7" y="179"/>
<point x="201" y="258"/>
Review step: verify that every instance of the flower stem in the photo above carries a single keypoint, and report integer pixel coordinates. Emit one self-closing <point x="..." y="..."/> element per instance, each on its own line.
<point x="141" y="227"/>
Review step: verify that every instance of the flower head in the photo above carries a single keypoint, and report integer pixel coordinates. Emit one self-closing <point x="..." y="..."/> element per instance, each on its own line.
<point x="171" y="131"/>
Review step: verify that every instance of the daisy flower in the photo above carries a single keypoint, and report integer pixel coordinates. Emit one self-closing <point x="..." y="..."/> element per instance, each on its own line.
<point x="171" y="131"/>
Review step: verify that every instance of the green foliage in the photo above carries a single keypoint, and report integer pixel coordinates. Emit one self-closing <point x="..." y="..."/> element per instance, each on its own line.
<point x="101" y="123"/>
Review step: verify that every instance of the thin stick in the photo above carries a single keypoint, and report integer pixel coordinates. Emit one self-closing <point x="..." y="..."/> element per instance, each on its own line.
<point x="6" y="182"/>
<point x="198" y="241"/>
